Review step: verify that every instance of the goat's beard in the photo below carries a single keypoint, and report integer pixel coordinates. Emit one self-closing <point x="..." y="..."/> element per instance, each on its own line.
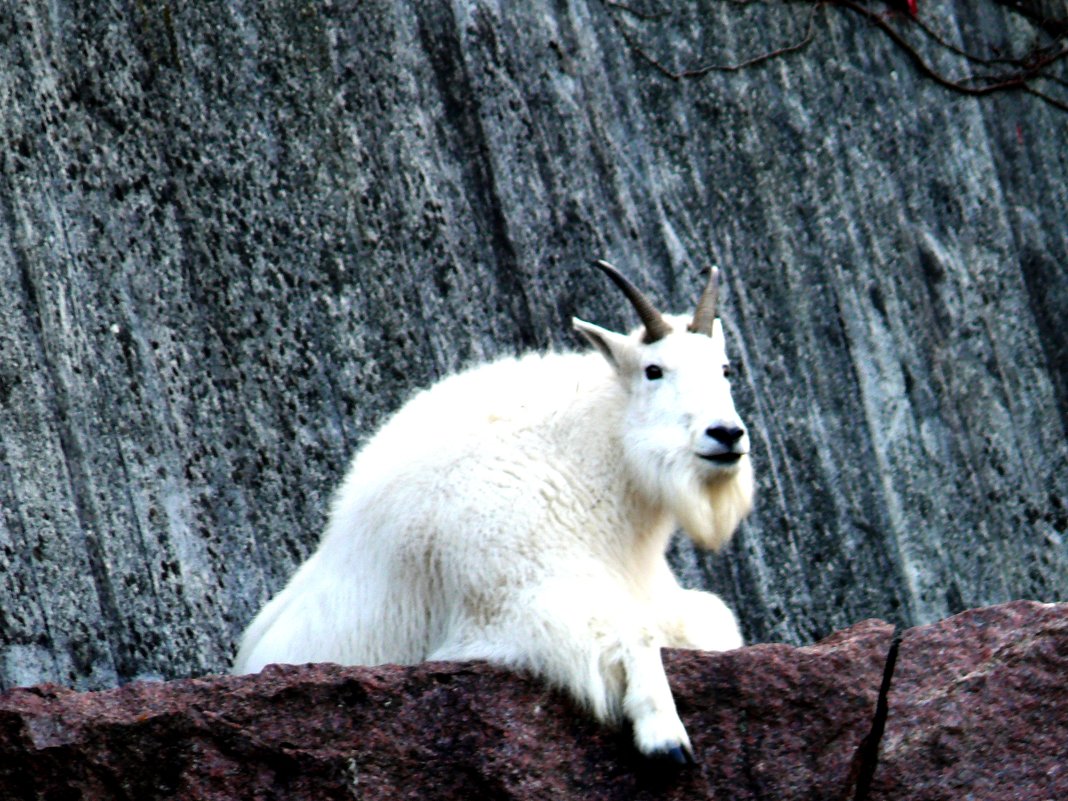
<point x="707" y="503"/>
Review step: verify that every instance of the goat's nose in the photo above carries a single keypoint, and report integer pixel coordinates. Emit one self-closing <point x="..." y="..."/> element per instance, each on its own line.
<point x="725" y="434"/>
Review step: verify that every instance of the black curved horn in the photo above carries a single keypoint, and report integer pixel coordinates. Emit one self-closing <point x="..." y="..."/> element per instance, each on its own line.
<point x="705" y="313"/>
<point x="656" y="327"/>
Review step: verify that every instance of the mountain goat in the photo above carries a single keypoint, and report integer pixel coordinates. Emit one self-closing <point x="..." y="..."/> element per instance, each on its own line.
<point x="519" y="513"/>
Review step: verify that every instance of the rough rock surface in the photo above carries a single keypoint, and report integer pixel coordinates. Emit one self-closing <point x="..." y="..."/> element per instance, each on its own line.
<point x="234" y="236"/>
<point x="978" y="708"/>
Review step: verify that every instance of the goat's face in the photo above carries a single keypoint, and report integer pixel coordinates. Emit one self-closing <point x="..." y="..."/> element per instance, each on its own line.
<point x="684" y="446"/>
<point x="680" y="415"/>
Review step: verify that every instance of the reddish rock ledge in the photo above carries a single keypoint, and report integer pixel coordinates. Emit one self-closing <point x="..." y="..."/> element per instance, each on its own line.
<point x="977" y="708"/>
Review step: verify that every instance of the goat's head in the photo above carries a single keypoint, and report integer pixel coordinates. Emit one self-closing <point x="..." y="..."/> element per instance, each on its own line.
<point x="682" y="435"/>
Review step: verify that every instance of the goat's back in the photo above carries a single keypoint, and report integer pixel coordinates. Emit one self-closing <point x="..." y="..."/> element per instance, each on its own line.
<point x="489" y="473"/>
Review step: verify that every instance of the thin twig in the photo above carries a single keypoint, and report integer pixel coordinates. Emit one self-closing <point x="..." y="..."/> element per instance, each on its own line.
<point x="782" y="51"/>
<point x="637" y="13"/>
<point x="1039" y="58"/>
<point x="1057" y="27"/>
<point x="1057" y="104"/>
<point x="700" y="72"/>
<point x="999" y="83"/>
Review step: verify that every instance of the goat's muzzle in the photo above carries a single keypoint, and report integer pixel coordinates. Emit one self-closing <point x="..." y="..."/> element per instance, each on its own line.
<point x="724" y="443"/>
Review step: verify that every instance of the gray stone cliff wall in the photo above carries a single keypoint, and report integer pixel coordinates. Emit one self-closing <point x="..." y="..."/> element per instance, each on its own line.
<point x="234" y="236"/>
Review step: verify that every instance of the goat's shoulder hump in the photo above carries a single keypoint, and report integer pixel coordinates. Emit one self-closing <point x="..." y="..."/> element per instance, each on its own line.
<point x="518" y="388"/>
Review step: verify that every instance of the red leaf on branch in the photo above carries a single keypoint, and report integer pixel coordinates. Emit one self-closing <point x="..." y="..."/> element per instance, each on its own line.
<point x="909" y="7"/>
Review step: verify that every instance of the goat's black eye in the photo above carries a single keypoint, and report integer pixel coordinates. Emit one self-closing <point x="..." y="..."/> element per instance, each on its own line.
<point x="654" y="371"/>
<point x="727" y="371"/>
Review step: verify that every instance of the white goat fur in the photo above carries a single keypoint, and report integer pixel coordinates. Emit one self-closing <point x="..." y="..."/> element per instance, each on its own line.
<point x="519" y="513"/>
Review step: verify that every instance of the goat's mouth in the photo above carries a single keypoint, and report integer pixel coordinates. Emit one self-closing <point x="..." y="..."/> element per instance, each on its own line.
<point x="725" y="457"/>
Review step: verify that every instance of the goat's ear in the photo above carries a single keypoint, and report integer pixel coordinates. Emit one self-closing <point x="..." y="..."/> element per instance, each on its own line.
<point x="614" y="347"/>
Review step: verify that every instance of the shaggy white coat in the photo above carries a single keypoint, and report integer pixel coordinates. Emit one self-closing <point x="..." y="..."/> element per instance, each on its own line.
<point x="519" y="513"/>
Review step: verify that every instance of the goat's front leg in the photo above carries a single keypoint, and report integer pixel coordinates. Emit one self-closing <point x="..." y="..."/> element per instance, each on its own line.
<point x="693" y="618"/>
<point x="699" y="620"/>
<point x="604" y="648"/>
<point x="648" y="703"/>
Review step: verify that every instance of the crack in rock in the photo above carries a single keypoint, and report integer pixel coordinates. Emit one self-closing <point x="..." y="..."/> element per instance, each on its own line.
<point x="866" y="758"/>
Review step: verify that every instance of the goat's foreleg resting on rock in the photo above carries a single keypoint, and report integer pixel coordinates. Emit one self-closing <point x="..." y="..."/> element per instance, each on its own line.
<point x="698" y="620"/>
<point x="693" y="619"/>
<point x="595" y="643"/>
<point x="648" y="702"/>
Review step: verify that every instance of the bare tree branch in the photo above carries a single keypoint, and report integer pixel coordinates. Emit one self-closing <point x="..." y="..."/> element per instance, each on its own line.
<point x="991" y="83"/>
<point x="1024" y="73"/>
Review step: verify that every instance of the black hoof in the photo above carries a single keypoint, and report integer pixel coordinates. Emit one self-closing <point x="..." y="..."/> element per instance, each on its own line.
<point x="678" y="755"/>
